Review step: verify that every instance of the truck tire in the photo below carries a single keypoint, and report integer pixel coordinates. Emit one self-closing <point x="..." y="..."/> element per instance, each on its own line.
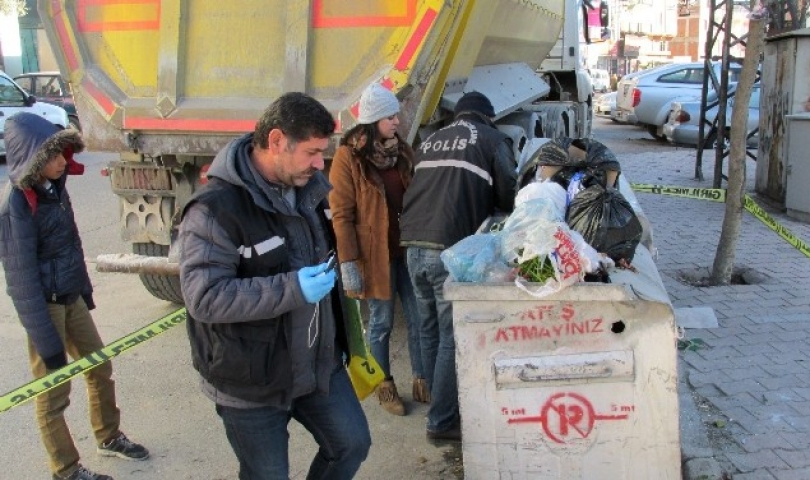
<point x="159" y="286"/>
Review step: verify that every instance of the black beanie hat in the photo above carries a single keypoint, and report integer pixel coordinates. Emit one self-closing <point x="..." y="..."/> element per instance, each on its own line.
<point x="474" y="102"/>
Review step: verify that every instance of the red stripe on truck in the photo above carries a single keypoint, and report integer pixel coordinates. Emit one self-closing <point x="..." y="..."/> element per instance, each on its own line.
<point x="416" y="39"/>
<point x="149" y="22"/>
<point x="100" y="97"/>
<point x="59" y="22"/>
<point x="189" y="125"/>
<point x="321" y="20"/>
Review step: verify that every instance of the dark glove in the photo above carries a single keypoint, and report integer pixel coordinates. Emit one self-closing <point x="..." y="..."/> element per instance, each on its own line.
<point x="55" y="362"/>
<point x="316" y="282"/>
<point x="350" y="273"/>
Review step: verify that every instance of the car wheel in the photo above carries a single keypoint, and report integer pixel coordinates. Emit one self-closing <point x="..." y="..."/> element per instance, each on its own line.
<point x="73" y="122"/>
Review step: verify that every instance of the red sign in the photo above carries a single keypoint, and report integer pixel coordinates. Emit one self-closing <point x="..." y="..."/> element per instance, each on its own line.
<point x="567" y="417"/>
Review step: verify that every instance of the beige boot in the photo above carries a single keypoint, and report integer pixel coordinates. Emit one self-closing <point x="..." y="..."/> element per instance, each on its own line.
<point x="420" y="390"/>
<point x="389" y="398"/>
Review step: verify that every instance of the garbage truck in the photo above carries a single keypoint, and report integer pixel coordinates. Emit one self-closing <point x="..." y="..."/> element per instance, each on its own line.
<point x="166" y="85"/>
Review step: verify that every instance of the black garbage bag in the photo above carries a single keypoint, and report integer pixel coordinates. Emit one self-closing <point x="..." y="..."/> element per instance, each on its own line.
<point x="606" y="220"/>
<point x="572" y="155"/>
<point x="597" y="154"/>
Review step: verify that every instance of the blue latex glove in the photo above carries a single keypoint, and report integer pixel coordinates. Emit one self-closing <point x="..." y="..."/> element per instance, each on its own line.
<point x="316" y="282"/>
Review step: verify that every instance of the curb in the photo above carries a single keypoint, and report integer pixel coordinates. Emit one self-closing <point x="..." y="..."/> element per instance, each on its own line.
<point x="697" y="455"/>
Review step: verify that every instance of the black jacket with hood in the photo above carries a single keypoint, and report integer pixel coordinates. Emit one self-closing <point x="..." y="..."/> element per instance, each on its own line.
<point x="40" y="246"/>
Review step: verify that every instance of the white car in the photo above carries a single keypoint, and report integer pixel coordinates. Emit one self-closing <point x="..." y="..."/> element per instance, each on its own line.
<point x="600" y="79"/>
<point x="605" y="104"/>
<point x="14" y="99"/>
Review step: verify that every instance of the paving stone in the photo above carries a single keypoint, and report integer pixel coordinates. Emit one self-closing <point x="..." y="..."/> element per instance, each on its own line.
<point x="767" y="441"/>
<point x="781" y="382"/>
<point x="756" y="425"/>
<point x="800" y="440"/>
<point x="748" y="462"/>
<point x="794" y="458"/>
<point x="785" y="394"/>
<point x="755" y="475"/>
<point x="743" y="373"/>
<point x="731" y="387"/>
<point x="799" y="474"/>
<point x="745" y="400"/>
<point x="702" y="469"/>
<point x="803" y="391"/>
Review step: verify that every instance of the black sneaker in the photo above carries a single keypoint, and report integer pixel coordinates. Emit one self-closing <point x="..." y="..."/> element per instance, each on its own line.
<point x="122" y="447"/>
<point x="83" y="474"/>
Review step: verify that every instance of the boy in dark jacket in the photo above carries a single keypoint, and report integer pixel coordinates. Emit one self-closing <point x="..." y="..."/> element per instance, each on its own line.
<point x="48" y="283"/>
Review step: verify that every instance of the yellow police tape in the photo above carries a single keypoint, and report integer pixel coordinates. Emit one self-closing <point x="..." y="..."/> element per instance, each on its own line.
<point x="719" y="195"/>
<point x="58" y="377"/>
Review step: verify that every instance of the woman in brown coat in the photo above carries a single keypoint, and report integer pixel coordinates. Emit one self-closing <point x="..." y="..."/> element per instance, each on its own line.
<point x="370" y="171"/>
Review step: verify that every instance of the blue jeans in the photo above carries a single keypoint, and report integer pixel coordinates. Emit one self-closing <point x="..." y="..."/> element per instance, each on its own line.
<point x="436" y="336"/>
<point x="381" y="320"/>
<point x="259" y="436"/>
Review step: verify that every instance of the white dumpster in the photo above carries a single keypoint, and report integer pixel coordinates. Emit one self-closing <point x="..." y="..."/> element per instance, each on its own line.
<point x="579" y="385"/>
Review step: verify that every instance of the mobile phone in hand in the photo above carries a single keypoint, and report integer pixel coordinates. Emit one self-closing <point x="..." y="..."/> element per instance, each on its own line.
<point x="330" y="265"/>
<point x="330" y="259"/>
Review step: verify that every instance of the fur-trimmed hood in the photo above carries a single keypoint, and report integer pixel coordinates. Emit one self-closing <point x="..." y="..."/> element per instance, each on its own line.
<point x="30" y="142"/>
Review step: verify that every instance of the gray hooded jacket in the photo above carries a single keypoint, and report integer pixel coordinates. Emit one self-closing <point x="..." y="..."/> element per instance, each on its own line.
<point x="225" y="304"/>
<point x="39" y="242"/>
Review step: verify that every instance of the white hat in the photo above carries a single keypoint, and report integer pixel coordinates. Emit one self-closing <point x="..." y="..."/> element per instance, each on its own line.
<point x="376" y="103"/>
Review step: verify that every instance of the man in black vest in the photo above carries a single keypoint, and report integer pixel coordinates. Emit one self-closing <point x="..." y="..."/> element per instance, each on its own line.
<point x="265" y="324"/>
<point x="464" y="172"/>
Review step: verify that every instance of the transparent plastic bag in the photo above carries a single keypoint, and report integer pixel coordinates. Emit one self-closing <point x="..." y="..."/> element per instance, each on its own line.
<point x="477" y="258"/>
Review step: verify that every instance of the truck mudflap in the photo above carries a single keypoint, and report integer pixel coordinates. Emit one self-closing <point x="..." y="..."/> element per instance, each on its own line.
<point x="148" y="197"/>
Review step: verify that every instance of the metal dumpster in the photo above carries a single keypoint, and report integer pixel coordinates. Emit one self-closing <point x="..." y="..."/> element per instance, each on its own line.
<point x="578" y="385"/>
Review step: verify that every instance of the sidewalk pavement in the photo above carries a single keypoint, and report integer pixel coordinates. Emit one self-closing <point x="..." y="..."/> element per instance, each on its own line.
<point x="745" y="394"/>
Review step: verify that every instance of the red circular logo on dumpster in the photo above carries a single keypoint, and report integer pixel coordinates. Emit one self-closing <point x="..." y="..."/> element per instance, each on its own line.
<point x="567" y="414"/>
<point x="568" y="417"/>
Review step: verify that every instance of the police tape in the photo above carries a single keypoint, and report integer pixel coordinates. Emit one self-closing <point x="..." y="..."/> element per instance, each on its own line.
<point x="720" y="195"/>
<point x="52" y="380"/>
<point x="713" y="194"/>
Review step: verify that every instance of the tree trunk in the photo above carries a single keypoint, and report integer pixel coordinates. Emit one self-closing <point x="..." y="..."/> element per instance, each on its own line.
<point x="724" y="257"/>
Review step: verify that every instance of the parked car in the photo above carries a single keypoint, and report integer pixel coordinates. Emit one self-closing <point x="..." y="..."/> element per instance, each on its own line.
<point x="14" y="99"/>
<point x="600" y="79"/>
<point x="684" y="119"/>
<point x="605" y="104"/>
<point x="645" y="100"/>
<point x="51" y="87"/>
<point x="615" y="116"/>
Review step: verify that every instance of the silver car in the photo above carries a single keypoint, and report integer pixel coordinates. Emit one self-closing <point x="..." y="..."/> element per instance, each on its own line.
<point x="646" y="99"/>
<point x="684" y="117"/>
